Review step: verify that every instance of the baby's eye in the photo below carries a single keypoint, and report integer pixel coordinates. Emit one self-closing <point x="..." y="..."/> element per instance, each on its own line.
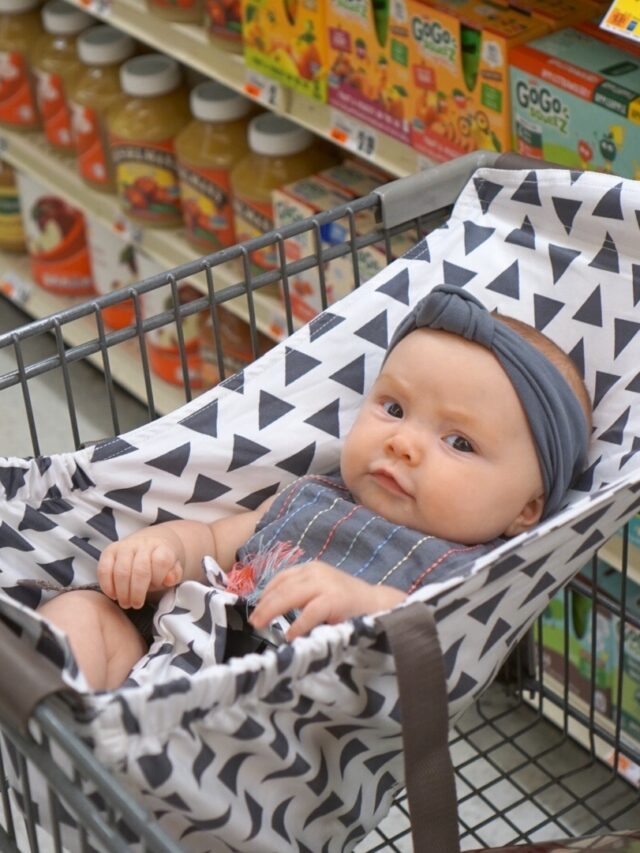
<point x="460" y="443"/>
<point x="392" y="408"/>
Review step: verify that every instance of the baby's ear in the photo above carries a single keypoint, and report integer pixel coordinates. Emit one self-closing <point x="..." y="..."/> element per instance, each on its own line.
<point x="527" y="518"/>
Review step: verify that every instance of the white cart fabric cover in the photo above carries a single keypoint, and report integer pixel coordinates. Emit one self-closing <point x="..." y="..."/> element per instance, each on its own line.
<point x="300" y="748"/>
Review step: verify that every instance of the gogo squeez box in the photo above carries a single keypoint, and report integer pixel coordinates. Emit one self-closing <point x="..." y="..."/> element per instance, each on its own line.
<point x="576" y="102"/>
<point x="459" y="55"/>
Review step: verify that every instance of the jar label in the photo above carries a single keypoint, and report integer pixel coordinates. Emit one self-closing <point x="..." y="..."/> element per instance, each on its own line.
<point x="91" y="150"/>
<point x="11" y="230"/>
<point x="252" y="219"/>
<point x="206" y="206"/>
<point x="147" y="179"/>
<point x="17" y="103"/>
<point x="54" y="109"/>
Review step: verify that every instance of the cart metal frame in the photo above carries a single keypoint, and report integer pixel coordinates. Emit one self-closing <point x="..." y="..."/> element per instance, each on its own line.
<point x="35" y="727"/>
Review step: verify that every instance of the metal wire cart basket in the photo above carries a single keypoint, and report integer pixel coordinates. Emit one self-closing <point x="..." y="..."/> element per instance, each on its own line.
<point x="552" y="749"/>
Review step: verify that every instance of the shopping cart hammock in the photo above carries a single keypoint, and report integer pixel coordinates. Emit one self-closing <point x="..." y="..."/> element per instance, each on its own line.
<point x="196" y="739"/>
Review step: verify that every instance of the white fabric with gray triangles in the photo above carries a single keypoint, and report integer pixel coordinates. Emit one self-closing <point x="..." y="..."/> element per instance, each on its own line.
<point x="300" y="748"/>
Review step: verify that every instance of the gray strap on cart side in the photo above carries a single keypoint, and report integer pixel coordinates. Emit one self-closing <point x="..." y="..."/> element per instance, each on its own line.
<point x="27" y="677"/>
<point x="429" y="779"/>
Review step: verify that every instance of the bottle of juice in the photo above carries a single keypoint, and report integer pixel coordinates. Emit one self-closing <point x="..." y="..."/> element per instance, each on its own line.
<point x="280" y="152"/>
<point x="142" y="130"/>
<point x="207" y="149"/>
<point x="20" y="28"/>
<point x="181" y="11"/>
<point x="102" y="49"/>
<point x="56" y="65"/>
<point x="12" y="237"/>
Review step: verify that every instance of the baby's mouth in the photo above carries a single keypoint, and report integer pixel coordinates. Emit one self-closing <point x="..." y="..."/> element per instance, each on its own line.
<point x="389" y="482"/>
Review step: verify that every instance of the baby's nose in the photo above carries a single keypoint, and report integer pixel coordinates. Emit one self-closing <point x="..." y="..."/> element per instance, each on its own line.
<point x="404" y="446"/>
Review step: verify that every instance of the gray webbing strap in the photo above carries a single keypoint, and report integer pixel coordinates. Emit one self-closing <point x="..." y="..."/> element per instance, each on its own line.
<point x="429" y="778"/>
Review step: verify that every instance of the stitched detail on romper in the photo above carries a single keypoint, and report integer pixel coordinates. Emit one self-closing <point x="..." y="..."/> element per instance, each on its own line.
<point x="415" y="585"/>
<point x="330" y="535"/>
<point x="369" y="521"/>
<point x="313" y="521"/>
<point x="405" y="558"/>
<point x="378" y="549"/>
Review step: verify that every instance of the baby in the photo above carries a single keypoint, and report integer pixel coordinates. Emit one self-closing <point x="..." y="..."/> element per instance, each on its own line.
<point x="474" y="430"/>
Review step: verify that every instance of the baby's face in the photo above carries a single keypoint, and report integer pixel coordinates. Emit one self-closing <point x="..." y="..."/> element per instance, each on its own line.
<point x="442" y="444"/>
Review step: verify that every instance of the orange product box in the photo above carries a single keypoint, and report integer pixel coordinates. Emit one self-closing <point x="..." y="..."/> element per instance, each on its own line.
<point x="308" y="197"/>
<point x="459" y="59"/>
<point x="369" y="73"/>
<point x="287" y="41"/>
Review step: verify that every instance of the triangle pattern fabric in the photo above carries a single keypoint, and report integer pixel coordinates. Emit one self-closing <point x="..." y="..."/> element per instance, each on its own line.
<point x="607" y="258"/>
<point x="271" y="408"/>
<point x="524" y="236"/>
<point x="397" y="287"/>
<point x="577" y="357"/>
<point x="456" y="275"/>
<point x="475" y="235"/>
<point x="131" y="496"/>
<point x="625" y="332"/>
<point x="173" y="461"/>
<point x="375" y="331"/>
<point x="110" y="448"/>
<point x="297" y="364"/>
<point x="419" y="252"/>
<point x="508" y="282"/>
<point x="352" y="375"/>
<point x="204" y="420"/>
<point x="604" y="383"/>
<point x="566" y="209"/>
<point x="326" y="419"/>
<point x="299" y="463"/>
<point x="527" y="192"/>
<point x="234" y="382"/>
<point x="205" y="489"/>
<point x="561" y="259"/>
<point x="487" y="191"/>
<point x="610" y="205"/>
<point x="254" y="500"/>
<point x="591" y="310"/>
<point x="323" y="323"/>
<point x="635" y="278"/>
<point x="615" y="433"/>
<point x="245" y="452"/>
<point x="545" y="309"/>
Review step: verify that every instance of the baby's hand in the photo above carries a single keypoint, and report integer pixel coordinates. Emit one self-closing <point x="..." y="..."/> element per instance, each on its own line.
<point x="324" y="594"/>
<point x="141" y="563"/>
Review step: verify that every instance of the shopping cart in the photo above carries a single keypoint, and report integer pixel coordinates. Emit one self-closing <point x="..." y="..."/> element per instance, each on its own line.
<point x="529" y="746"/>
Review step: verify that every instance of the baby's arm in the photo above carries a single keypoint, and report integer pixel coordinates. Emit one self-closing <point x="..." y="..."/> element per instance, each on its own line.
<point x="324" y="594"/>
<point x="166" y="554"/>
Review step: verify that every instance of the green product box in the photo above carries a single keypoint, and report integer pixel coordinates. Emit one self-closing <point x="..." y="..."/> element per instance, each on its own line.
<point x="576" y="611"/>
<point x="575" y="101"/>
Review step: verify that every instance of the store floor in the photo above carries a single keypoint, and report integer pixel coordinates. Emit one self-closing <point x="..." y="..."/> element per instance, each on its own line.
<point x="496" y="800"/>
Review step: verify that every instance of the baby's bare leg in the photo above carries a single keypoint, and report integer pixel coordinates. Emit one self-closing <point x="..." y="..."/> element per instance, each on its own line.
<point x="104" y="642"/>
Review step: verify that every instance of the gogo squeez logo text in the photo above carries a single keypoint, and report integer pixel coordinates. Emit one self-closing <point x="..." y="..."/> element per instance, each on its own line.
<point x="543" y="105"/>
<point x="357" y="8"/>
<point x="434" y="39"/>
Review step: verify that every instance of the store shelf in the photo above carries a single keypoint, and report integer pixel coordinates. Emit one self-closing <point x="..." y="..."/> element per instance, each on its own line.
<point x="31" y="155"/>
<point x="17" y="285"/>
<point x="190" y="45"/>
<point x="611" y="553"/>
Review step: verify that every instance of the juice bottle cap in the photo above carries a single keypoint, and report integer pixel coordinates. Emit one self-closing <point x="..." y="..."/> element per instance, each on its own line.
<point x="278" y="136"/>
<point x="104" y="45"/>
<point x="150" y="74"/>
<point x="212" y="101"/>
<point x="60" y="18"/>
<point x="18" y="5"/>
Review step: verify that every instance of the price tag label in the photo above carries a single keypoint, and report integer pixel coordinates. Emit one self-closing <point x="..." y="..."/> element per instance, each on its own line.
<point x="102" y="8"/>
<point x="353" y="135"/>
<point x="269" y="92"/>
<point x="623" y="19"/>
<point x="129" y="231"/>
<point x="15" y="287"/>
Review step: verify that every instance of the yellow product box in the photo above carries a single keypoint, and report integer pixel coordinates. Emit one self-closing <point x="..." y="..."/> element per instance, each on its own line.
<point x="369" y="75"/>
<point x="287" y="41"/>
<point x="308" y="197"/>
<point x="459" y="56"/>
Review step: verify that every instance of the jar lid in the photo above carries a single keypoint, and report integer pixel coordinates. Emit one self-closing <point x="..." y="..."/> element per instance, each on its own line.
<point x="273" y="134"/>
<point x="62" y="18"/>
<point x="18" y="5"/>
<point x="150" y="74"/>
<point x="212" y="101"/>
<point x="104" y="45"/>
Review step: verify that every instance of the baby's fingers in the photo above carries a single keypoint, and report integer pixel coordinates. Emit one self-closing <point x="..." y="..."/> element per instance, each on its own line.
<point x="105" y="571"/>
<point x="315" y="613"/>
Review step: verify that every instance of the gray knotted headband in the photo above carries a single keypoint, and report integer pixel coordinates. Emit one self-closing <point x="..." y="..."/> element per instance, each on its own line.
<point x="557" y="422"/>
